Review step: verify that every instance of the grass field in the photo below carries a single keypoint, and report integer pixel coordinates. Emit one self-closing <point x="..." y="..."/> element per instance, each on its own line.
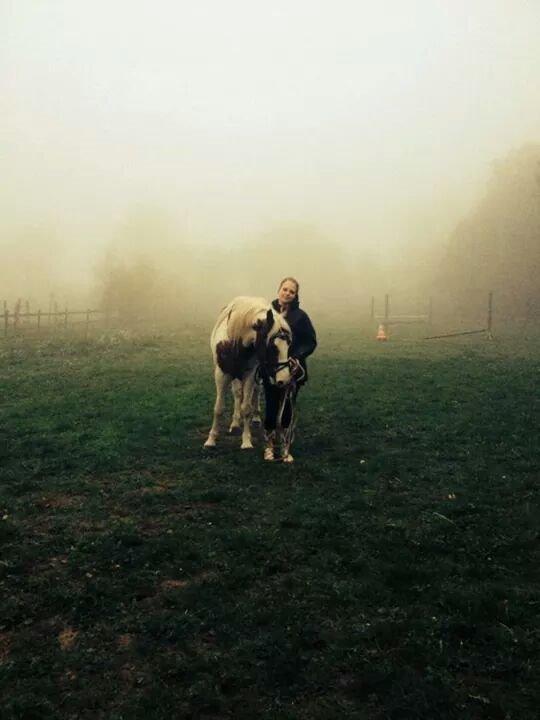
<point x="392" y="572"/>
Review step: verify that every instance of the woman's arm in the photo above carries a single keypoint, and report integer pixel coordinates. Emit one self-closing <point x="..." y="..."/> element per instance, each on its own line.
<point x="304" y="338"/>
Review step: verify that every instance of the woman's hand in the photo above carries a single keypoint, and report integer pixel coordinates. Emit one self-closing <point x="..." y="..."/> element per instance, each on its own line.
<point x="295" y="367"/>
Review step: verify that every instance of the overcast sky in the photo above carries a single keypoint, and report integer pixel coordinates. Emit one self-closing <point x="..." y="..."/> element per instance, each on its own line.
<point x="376" y="121"/>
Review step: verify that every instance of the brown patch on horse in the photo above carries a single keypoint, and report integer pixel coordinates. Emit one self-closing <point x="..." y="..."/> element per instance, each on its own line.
<point x="262" y="328"/>
<point x="233" y="358"/>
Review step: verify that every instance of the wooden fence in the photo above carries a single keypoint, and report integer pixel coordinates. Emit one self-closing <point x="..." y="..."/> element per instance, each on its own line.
<point x="17" y="321"/>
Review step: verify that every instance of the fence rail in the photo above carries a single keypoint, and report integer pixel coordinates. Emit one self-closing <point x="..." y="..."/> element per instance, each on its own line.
<point x="404" y="319"/>
<point x="16" y="320"/>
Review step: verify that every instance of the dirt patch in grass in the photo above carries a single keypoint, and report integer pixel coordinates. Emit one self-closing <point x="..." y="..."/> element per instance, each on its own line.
<point x="67" y="638"/>
<point x="91" y="526"/>
<point x="125" y="641"/>
<point x="55" y="563"/>
<point x="5" y="644"/>
<point x="174" y="584"/>
<point x="158" y="489"/>
<point x="199" y="506"/>
<point x="153" y="528"/>
<point x="127" y="675"/>
<point x="131" y="676"/>
<point x="59" y="501"/>
<point x="158" y="482"/>
<point x="69" y="676"/>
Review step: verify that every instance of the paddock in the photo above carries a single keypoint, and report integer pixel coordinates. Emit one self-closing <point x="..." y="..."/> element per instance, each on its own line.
<point x="391" y="570"/>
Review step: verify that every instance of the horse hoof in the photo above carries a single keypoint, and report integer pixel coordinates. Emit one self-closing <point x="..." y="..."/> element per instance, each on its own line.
<point x="245" y="446"/>
<point x="256" y="422"/>
<point x="288" y="458"/>
<point x="235" y="430"/>
<point x="268" y="454"/>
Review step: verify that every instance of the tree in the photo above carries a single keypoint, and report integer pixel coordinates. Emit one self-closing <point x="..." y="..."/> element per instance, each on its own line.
<point x="498" y="246"/>
<point x="143" y="269"/>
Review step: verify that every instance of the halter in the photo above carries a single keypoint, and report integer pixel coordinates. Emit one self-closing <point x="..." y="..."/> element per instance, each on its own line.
<point x="268" y="369"/>
<point x="283" y="335"/>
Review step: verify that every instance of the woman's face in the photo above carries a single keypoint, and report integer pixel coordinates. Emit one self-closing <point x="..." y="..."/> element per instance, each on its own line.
<point x="287" y="292"/>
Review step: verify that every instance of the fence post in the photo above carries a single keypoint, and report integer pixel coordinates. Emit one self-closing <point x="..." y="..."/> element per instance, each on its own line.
<point x="55" y="306"/>
<point x="6" y="322"/>
<point x="373" y="307"/>
<point x="87" y="324"/>
<point x="39" y="320"/>
<point x="16" y="315"/>
<point x="386" y="308"/>
<point x="490" y="317"/>
<point x="65" y="318"/>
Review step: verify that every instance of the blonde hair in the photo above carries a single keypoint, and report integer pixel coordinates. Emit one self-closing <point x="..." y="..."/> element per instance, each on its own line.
<point x="290" y="279"/>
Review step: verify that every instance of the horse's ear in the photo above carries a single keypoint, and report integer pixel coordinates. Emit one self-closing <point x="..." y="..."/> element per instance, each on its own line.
<point x="269" y="319"/>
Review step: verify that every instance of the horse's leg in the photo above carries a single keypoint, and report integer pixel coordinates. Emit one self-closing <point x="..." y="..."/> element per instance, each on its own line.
<point x="222" y="382"/>
<point x="247" y="410"/>
<point x="234" y="428"/>
<point x="257" y="390"/>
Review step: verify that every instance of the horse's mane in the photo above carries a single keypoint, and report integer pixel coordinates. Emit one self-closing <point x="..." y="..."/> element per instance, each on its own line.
<point x="243" y="312"/>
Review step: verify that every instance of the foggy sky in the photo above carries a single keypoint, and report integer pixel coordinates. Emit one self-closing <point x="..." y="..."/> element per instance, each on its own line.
<point x="375" y="121"/>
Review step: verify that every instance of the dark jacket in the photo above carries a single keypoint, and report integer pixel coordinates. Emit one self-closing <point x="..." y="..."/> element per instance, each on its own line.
<point x="304" y="338"/>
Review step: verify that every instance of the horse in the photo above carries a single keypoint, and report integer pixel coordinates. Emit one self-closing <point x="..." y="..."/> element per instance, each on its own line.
<point x="249" y="335"/>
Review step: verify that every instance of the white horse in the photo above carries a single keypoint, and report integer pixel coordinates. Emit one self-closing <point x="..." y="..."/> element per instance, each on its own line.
<point x="248" y="333"/>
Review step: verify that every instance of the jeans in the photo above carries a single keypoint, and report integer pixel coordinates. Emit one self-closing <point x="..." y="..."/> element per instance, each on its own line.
<point x="272" y="395"/>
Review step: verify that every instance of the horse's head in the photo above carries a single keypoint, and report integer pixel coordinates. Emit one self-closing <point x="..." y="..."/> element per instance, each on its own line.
<point x="272" y="341"/>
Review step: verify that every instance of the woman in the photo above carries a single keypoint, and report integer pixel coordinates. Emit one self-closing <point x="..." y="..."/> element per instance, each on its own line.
<point x="304" y="342"/>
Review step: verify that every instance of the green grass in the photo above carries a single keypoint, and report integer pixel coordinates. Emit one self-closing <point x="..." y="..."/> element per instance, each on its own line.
<point x="391" y="572"/>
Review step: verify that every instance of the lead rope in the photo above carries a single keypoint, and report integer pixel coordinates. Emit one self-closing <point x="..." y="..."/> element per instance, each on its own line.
<point x="289" y="396"/>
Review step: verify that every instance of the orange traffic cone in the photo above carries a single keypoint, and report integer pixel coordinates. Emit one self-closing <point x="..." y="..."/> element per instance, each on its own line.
<point x="381" y="334"/>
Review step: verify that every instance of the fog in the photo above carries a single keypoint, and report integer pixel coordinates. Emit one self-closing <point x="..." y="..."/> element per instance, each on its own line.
<point x="222" y="146"/>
